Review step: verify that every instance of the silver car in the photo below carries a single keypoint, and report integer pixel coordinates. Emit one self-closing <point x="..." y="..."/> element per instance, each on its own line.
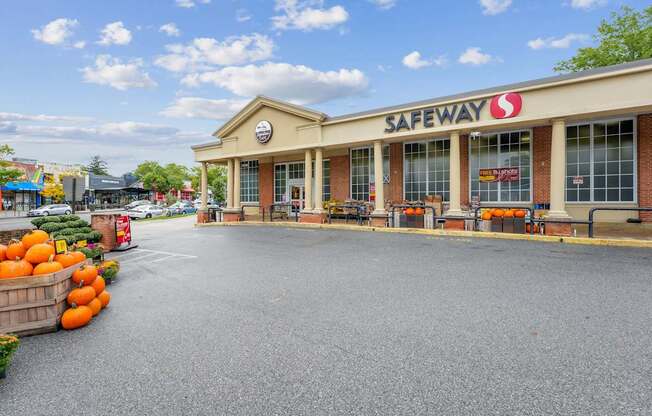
<point x="54" y="209"/>
<point x="146" y="211"/>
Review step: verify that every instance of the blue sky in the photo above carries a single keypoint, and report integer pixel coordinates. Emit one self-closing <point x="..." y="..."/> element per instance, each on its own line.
<point x="144" y="80"/>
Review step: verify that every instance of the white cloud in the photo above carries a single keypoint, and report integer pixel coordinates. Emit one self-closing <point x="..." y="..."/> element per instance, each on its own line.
<point x="7" y="127"/>
<point x="56" y="32"/>
<point x="187" y="4"/>
<point x="170" y="29"/>
<point x="122" y="76"/>
<point x="204" y="108"/>
<point x="242" y="15"/>
<point x="474" y="56"/>
<point x="4" y="116"/>
<point x="79" y="45"/>
<point x="587" y="4"/>
<point x="296" y="83"/>
<point x="202" y="53"/>
<point x="494" y="7"/>
<point x="115" y="34"/>
<point x="413" y="60"/>
<point x="557" y="43"/>
<point x="384" y="4"/>
<point x="301" y="15"/>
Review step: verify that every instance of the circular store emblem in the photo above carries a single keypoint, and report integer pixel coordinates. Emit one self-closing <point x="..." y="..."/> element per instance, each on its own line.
<point x="506" y="105"/>
<point x="264" y="131"/>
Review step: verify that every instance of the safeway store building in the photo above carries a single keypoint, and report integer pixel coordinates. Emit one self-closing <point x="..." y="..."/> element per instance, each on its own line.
<point x="565" y="144"/>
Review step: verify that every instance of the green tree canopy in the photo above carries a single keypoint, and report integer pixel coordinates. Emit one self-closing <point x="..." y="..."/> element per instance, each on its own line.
<point x="97" y="166"/>
<point x="216" y="181"/>
<point x="162" y="178"/>
<point x="627" y="37"/>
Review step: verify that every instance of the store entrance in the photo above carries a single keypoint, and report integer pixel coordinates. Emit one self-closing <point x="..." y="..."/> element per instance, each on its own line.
<point x="297" y="196"/>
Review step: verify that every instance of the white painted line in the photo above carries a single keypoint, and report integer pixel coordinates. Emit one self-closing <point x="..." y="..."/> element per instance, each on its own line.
<point x="167" y="258"/>
<point x="135" y="259"/>
<point x="166" y="252"/>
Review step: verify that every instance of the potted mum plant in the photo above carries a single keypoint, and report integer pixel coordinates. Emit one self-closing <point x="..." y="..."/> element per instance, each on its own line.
<point x="8" y="345"/>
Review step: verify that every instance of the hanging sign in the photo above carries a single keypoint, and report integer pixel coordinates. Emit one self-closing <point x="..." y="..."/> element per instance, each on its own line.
<point x="500" y="175"/>
<point x="264" y="131"/>
<point x="60" y="246"/>
<point x="123" y="230"/>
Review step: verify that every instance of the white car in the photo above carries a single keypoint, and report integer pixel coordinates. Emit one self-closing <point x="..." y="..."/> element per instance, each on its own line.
<point x="146" y="211"/>
<point x="54" y="209"/>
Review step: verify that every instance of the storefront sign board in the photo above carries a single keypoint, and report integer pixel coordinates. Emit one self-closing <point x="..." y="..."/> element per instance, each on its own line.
<point x="500" y="175"/>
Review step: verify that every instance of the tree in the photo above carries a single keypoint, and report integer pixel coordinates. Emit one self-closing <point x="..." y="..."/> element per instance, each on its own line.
<point x="97" y="166"/>
<point x="153" y="176"/>
<point x="627" y="37"/>
<point x="7" y="172"/>
<point x="176" y="175"/>
<point x="54" y="191"/>
<point x="216" y="181"/>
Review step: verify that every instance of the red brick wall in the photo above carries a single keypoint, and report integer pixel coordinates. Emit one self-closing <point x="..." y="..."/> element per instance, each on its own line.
<point x="266" y="184"/>
<point x="340" y="168"/>
<point x="645" y="164"/>
<point x="396" y="172"/>
<point x="464" y="170"/>
<point x="541" y="147"/>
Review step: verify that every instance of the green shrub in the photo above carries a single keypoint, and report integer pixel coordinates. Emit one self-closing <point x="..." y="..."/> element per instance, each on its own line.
<point x="69" y="218"/>
<point x="76" y="224"/>
<point x="37" y="222"/>
<point x="53" y="226"/>
<point x="94" y="236"/>
<point x="8" y="345"/>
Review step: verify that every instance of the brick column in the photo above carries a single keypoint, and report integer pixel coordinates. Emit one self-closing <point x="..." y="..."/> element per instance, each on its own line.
<point x="229" y="184"/>
<point x="266" y="185"/>
<point x="644" y="152"/>
<point x="541" y="143"/>
<point x="105" y="223"/>
<point x="340" y="177"/>
<point x="396" y="172"/>
<point x="464" y="170"/>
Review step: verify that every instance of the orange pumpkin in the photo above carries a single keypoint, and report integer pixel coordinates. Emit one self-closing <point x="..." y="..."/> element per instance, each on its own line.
<point x="498" y="212"/>
<point x="99" y="284"/>
<point x="519" y="213"/>
<point x="66" y="259"/>
<point x="509" y="213"/>
<point x="105" y="298"/>
<point x="85" y="275"/>
<point x="47" y="267"/>
<point x="15" y="250"/>
<point x="486" y="215"/>
<point x="78" y="255"/>
<point x="15" y="268"/>
<point x="95" y="305"/>
<point x="418" y="211"/>
<point x="39" y="253"/>
<point x="536" y="228"/>
<point x="81" y="295"/>
<point x="34" y="237"/>
<point x="409" y="211"/>
<point x="76" y="317"/>
<point x="3" y="251"/>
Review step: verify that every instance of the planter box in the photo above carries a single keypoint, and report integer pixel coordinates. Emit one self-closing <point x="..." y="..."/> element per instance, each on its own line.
<point x="34" y="305"/>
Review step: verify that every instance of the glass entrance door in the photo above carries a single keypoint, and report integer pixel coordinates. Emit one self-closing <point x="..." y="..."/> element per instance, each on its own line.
<point x="297" y="196"/>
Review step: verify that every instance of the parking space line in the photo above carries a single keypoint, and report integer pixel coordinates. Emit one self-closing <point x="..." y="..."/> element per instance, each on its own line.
<point x="130" y="259"/>
<point x="166" y="252"/>
<point x="166" y="258"/>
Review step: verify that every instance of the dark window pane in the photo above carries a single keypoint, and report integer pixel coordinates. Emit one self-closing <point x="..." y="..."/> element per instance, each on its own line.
<point x="598" y="129"/>
<point x="613" y="195"/>
<point x="571" y="170"/>
<point x="626" y="168"/>
<point x="571" y="195"/>
<point x="613" y="127"/>
<point x="599" y="195"/>
<point x="627" y="181"/>
<point x="600" y="181"/>
<point x="613" y="168"/>
<point x="571" y="132"/>
<point x="584" y="169"/>
<point x="627" y="126"/>
<point x="613" y="181"/>
<point x="584" y="195"/>
<point x="627" y="195"/>
<point x="584" y="131"/>
<point x="599" y="169"/>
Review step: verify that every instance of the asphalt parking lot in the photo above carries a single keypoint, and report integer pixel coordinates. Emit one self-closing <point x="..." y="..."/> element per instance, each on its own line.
<point x="250" y="320"/>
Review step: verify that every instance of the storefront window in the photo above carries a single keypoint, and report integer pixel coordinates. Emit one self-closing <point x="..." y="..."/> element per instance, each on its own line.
<point x="362" y="171"/>
<point x="427" y="171"/>
<point x="280" y="183"/>
<point x="249" y="181"/>
<point x="326" y="177"/>
<point x="502" y="150"/>
<point x="600" y="162"/>
<point x="285" y="171"/>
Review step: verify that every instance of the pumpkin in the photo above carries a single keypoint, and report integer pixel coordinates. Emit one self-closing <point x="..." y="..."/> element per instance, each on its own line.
<point x="15" y="268"/>
<point x="47" y="267"/>
<point x="3" y="251"/>
<point x="498" y="212"/>
<point x="536" y="228"/>
<point x="78" y="255"/>
<point x="105" y="298"/>
<point x="39" y="253"/>
<point x="509" y="213"/>
<point x="519" y="213"/>
<point x="15" y="250"/>
<point x="84" y="275"/>
<point x="99" y="284"/>
<point x="418" y="211"/>
<point x="34" y="237"/>
<point x="76" y="317"/>
<point x="409" y="211"/>
<point x="486" y="215"/>
<point x="81" y="295"/>
<point x="66" y="259"/>
<point x="95" y="305"/>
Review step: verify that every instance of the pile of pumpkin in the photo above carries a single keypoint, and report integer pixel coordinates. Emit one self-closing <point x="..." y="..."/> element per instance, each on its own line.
<point x="413" y="211"/>
<point x="87" y="299"/>
<point x="503" y="213"/>
<point x="34" y="255"/>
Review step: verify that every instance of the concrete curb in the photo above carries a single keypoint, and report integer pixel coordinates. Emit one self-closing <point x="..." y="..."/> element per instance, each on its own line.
<point x="443" y="233"/>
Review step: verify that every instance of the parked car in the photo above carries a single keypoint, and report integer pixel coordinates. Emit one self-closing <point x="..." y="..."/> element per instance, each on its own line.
<point x="181" y="207"/>
<point x="146" y="211"/>
<point x="138" y="203"/>
<point x="54" y="209"/>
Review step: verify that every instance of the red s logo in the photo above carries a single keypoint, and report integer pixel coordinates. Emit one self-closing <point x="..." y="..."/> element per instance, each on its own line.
<point x="506" y="105"/>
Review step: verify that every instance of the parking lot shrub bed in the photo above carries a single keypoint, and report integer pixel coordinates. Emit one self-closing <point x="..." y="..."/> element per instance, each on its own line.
<point x="67" y="227"/>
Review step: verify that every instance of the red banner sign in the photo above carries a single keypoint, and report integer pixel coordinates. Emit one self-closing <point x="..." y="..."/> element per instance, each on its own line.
<point x="123" y="229"/>
<point x="500" y="175"/>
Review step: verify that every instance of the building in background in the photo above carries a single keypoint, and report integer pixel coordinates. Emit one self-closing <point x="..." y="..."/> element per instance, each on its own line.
<point x="105" y="191"/>
<point x="24" y="193"/>
<point x="185" y="194"/>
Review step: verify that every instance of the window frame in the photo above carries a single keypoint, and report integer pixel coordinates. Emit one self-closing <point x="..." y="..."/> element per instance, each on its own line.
<point x="591" y="123"/>
<point x="371" y="166"/>
<point x="257" y="201"/>
<point x="506" y="203"/>
<point x="427" y="143"/>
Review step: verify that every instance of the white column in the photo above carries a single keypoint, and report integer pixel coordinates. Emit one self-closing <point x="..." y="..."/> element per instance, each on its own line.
<point x="236" y="183"/>
<point x="229" y="184"/>
<point x="378" y="178"/>
<point x="558" y="171"/>
<point x="319" y="180"/>
<point x="204" y="186"/>
<point x="455" y="185"/>
<point x="307" y="187"/>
